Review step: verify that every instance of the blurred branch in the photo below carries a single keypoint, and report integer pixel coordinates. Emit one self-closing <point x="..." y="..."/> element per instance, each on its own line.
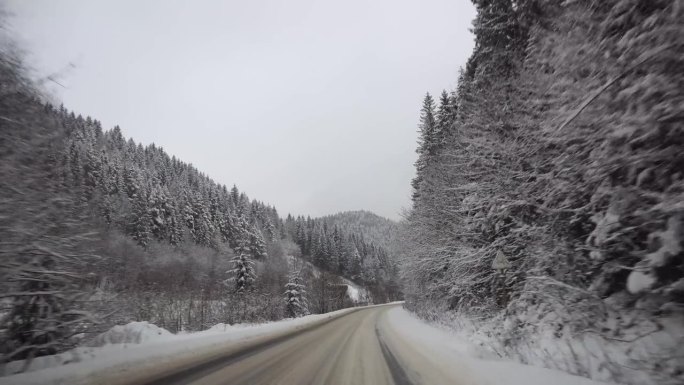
<point x="646" y="56"/>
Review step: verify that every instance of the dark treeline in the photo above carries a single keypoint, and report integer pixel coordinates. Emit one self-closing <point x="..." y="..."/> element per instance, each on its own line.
<point x="561" y="151"/>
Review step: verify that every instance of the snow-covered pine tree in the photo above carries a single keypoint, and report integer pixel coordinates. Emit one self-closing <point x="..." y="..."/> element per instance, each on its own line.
<point x="235" y="196"/>
<point x="296" y="304"/>
<point x="159" y="211"/>
<point x="444" y="120"/>
<point x="257" y="246"/>
<point x="242" y="274"/>
<point x="140" y="222"/>
<point x="427" y="129"/>
<point x="355" y="263"/>
<point x="92" y="174"/>
<point x="175" y="227"/>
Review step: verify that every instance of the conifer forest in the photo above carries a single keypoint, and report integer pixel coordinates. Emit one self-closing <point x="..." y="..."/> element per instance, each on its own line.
<point x="544" y="221"/>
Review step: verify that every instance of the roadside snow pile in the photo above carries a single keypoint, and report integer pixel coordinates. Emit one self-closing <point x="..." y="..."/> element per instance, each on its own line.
<point x="451" y="356"/>
<point x="623" y="352"/>
<point x="131" y="333"/>
<point x="113" y="340"/>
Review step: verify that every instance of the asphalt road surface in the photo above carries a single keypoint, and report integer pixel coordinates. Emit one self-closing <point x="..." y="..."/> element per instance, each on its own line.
<point x="356" y="348"/>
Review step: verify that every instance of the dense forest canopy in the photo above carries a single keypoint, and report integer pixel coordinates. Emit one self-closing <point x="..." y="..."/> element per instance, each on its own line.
<point x="560" y="151"/>
<point x="381" y="231"/>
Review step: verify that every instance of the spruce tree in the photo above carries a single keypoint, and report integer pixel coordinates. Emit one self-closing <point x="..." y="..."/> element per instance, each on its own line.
<point x="140" y="222"/>
<point x="445" y="118"/>
<point x="175" y="228"/>
<point x="242" y="273"/>
<point x="257" y="246"/>
<point x="296" y="304"/>
<point x="426" y="141"/>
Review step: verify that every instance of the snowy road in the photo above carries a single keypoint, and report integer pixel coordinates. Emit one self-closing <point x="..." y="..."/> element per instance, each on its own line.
<point x="374" y="345"/>
<point x="347" y="350"/>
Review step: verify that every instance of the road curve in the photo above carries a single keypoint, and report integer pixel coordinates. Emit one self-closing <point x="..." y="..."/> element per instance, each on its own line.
<point x="350" y="349"/>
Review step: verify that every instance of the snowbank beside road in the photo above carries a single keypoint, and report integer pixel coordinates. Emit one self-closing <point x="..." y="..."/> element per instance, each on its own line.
<point x="106" y="344"/>
<point x="154" y="349"/>
<point x="451" y="357"/>
<point x="131" y="333"/>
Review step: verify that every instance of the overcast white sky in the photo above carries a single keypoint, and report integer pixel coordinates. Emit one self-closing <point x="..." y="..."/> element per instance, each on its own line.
<point x="311" y="106"/>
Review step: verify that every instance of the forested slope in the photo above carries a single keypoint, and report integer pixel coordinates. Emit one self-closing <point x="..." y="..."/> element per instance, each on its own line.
<point x="381" y="231"/>
<point x="97" y="229"/>
<point x="353" y="252"/>
<point x="561" y="152"/>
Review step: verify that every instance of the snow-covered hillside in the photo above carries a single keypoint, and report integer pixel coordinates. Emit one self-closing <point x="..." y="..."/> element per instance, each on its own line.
<point x="356" y="293"/>
<point x="381" y="231"/>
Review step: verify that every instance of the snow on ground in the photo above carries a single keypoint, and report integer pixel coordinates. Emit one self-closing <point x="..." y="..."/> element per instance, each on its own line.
<point x="455" y="357"/>
<point x="131" y="333"/>
<point x="626" y="353"/>
<point x="115" y="339"/>
<point x="438" y="353"/>
<point x="353" y="293"/>
<point x="139" y="345"/>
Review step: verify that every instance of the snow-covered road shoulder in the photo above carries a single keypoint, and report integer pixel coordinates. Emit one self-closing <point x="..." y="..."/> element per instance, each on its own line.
<point x="158" y="353"/>
<point x="418" y="343"/>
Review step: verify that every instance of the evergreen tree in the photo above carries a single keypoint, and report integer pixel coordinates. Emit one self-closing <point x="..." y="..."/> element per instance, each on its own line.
<point x="296" y="304"/>
<point x="159" y="212"/>
<point x="444" y="120"/>
<point x="242" y="273"/>
<point x="235" y="195"/>
<point x="426" y="141"/>
<point x="355" y="264"/>
<point x="92" y="174"/>
<point x="257" y="246"/>
<point x="140" y="223"/>
<point x="498" y="40"/>
<point x="175" y="228"/>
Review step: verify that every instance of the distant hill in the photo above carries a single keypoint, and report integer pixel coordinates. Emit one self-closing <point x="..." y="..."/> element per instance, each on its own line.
<point x="376" y="229"/>
<point x="350" y="245"/>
